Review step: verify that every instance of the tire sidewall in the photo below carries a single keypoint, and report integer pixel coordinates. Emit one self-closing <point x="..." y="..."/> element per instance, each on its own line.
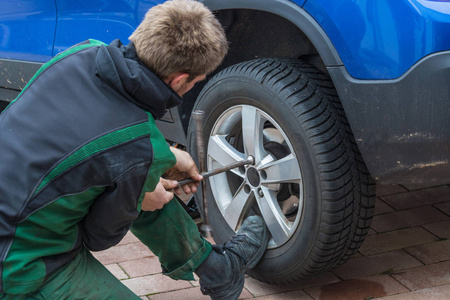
<point x="227" y="90"/>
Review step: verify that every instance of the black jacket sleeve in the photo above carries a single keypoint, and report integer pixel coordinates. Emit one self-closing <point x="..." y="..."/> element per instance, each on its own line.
<point x="112" y="213"/>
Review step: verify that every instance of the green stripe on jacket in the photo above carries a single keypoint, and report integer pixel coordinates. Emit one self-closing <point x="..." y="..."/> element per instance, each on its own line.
<point x="49" y="231"/>
<point x="92" y="43"/>
<point x="53" y="229"/>
<point x="100" y="144"/>
<point x="163" y="159"/>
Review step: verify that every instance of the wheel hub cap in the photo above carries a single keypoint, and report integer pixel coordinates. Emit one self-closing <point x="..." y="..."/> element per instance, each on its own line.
<point x="271" y="188"/>
<point x="253" y="177"/>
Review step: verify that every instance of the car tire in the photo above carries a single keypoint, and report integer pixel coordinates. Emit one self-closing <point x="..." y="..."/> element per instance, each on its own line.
<point x="309" y="181"/>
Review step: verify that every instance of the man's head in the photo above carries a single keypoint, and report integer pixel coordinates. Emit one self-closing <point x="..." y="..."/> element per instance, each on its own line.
<point x="180" y="37"/>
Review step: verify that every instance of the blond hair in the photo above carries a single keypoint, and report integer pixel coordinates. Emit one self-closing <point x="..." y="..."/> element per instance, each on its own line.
<point x="180" y="36"/>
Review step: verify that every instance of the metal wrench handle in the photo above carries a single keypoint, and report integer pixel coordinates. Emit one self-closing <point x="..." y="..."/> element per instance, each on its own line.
<point x="249" y="161"/>
<point x="198" y="117"/>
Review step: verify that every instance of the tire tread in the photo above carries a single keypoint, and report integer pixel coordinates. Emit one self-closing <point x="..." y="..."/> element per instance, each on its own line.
<point x="347" y="189"/>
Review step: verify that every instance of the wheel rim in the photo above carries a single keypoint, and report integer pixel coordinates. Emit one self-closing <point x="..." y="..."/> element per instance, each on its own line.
<point x="271" y="188"/>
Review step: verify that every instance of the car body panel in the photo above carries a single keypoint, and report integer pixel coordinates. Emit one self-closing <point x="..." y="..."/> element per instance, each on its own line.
<point x="27" y="29"/>
<point x="382" y="39"/>
<point x="48" y="27"/>
<point x="402" y="126"/>
<point x="99" y="19"/>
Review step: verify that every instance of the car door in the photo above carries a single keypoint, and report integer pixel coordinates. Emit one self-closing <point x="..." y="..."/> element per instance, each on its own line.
<point x="27" y="29"/>
<point x="98" y="19"/>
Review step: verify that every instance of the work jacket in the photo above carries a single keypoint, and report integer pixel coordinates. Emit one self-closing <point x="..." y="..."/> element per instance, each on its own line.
<point x="78" y="150"/>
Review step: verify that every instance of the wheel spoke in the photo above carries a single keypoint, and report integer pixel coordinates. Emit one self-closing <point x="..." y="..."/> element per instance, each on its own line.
<point x="222" y="152"/>
<point x="282" y="171"/>
<point x="255" y="133"/>
<point x="252" y="130"/>
<point x="265" y="162"/>
<point x="274" y="218"/>
<point x="235" y="211"/>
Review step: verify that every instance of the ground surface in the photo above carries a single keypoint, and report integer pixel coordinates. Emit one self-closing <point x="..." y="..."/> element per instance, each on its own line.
<point x="405" y="256"/>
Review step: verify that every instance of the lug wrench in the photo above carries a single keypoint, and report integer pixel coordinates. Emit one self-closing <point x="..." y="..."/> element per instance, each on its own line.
<point x="248" y="161"/>
<point x="198" y="117"/>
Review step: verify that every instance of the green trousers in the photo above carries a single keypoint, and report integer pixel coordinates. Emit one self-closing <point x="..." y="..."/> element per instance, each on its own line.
<point x="170" y="233"/>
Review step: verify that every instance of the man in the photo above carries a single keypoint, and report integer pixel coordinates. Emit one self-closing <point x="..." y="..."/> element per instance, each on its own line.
<point x="82" y="162"/>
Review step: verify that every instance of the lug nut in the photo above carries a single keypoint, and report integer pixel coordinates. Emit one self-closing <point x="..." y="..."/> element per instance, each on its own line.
<point x="260" y="193"/>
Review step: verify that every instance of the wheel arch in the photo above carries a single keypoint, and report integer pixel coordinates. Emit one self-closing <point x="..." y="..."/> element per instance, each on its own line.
<point x="277" y="28"/>
<point x="276" y="22"/>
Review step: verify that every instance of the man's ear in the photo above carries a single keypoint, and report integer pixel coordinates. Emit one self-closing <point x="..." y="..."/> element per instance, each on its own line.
<point x="176" y="80"/>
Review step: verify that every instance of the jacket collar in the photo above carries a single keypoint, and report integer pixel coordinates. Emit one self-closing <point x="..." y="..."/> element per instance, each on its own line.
<point x="119" y="66"/>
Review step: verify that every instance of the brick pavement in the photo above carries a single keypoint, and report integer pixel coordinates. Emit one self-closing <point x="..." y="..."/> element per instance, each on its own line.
<point x="405" y="256"/>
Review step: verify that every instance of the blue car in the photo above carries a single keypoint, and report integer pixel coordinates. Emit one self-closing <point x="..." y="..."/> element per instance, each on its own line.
<point x="329" y="97"/>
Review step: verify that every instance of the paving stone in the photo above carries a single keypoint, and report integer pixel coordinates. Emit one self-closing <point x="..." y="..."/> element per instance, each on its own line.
<point x="358" y="289"/>
<point x="258" y="288"/>
<point x="418" y="198"/>
<point x="419" y="186"/>
<point x="381" y="207"/>
<point x="376" y="264"/>
<point x="185" y="294"/>
<point x="400" y="252"/>
<point x="389" y="189"/>
<point x="407" y="218"/>
<point x="142" y="266"/>
<point x="444" y="207"/>
<point x="153" y="284"/>
<point x="394" y="240"/>
<point x="372" y="232"/>
<point x="431" y="253"/>
<point x="356" y="255"/>
<point x="425" y="276"/>
<point x="435" y="293"/>
<point x="294" y="295"/>
<point x="121" y="253"/>
<point x="128" y="239"/>
<point x="440" y="229"/>
<point x="191" y="294"/>
<point x="195" y="282"/>
<point x="117" y="271"/>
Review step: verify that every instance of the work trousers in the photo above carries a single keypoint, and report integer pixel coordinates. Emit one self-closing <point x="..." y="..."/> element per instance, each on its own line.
<point x="170" y="233"/>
